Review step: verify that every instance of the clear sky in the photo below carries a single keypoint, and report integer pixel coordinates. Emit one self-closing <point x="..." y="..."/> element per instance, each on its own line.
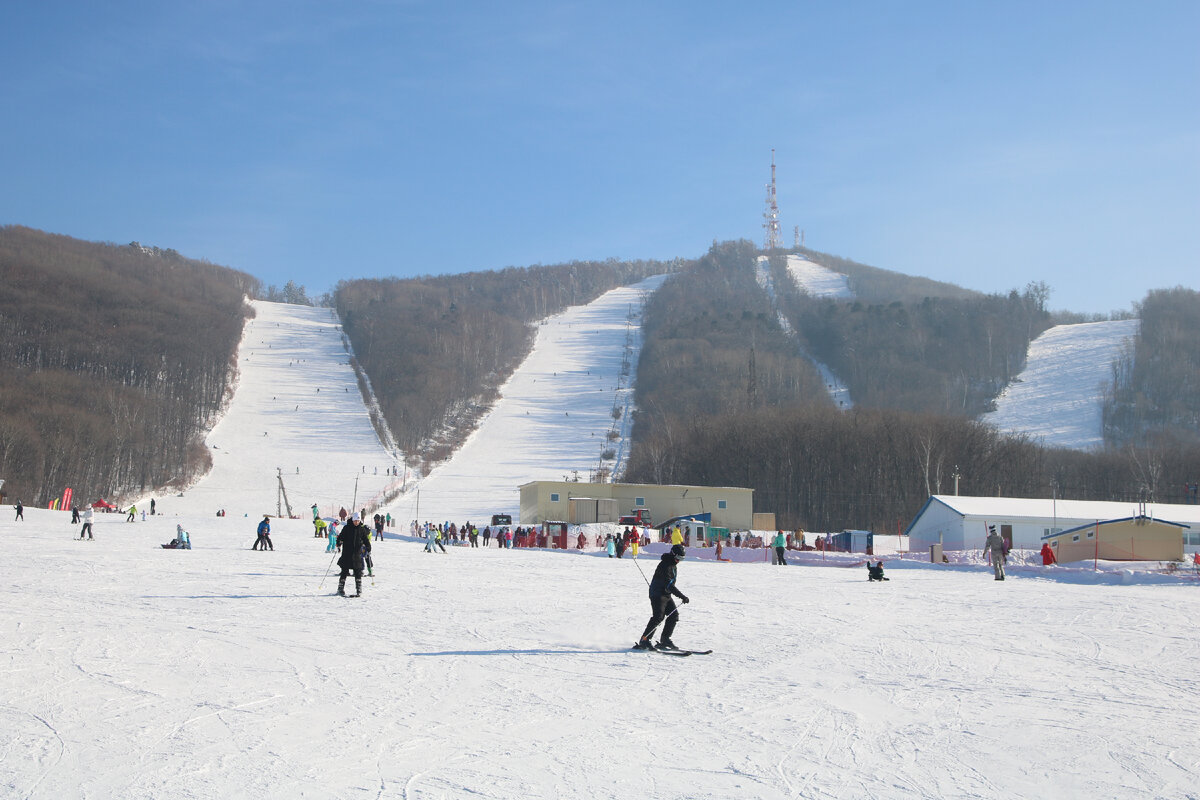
<point x="986" y="143"/>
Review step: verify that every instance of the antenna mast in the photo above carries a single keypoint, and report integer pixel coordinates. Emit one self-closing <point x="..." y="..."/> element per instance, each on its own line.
<point x="771" y="215"/>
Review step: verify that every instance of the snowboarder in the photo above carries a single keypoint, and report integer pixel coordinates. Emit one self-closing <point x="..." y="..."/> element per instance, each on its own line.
<point x="663" y="608"/>
<point x="354" y="541"/>
<point x="20" y="512"/>
<point x="875" y="573"/>
<point x="132" y="514"/>
<point x="264" y="535"/>
<point x="88" y="515"/>
<point x="780" y="545"/>
<point x="995" y="545"/>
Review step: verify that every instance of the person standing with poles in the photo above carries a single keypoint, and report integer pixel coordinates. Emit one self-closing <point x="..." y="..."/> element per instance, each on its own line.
<point x="663" y="608"/>
<point x="88" y="515"/>
<point x="354" y="541"/>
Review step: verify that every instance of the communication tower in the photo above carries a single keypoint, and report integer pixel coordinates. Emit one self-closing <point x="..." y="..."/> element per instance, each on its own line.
<point x="771" y="216"/>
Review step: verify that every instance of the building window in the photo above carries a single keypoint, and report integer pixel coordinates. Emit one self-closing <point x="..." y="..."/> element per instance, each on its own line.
<point x="1050" y="531"/>
<point x="639" y="501"/>
<point x="1075" y="538"/>
<point x="1091" y="534"/>
<point x="722" y="504"/>
<point x="554" y="497"/>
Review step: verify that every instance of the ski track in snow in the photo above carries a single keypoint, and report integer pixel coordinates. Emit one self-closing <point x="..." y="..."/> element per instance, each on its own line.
<point x="1057" y="397"/>
<point x="223" y="672"/>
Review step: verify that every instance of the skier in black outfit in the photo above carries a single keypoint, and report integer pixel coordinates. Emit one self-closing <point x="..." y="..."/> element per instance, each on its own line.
<point x="662" y="586"/>
<point x="353" y="541"/>
<point x="20" y="512"/>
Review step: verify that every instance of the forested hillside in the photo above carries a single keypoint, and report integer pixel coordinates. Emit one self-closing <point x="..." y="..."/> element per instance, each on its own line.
<point x="1155" y="392"/>
<point x="946" y="354"/>
<point x="725" y="398"/>
<point x="436" y="349"/>
<point x="112" y="360"/>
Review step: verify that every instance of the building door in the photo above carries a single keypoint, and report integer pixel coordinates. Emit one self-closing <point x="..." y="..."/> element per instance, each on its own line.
<point x="1006" y="535"/>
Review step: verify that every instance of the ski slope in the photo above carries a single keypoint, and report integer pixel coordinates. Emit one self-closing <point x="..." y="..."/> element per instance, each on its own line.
<point x="819" y="282"/>
<point x="297" y="409"/>
<point x="553" y="417"/>
<point x="140" y="673"/>
<point x="1057" y="397"/>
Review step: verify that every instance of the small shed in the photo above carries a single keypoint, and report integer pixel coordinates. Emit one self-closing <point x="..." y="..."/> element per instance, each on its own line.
<point x="1129" y="539"/>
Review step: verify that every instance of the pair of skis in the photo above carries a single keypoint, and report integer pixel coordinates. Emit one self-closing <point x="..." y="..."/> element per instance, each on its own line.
<point x="669" y="652"/>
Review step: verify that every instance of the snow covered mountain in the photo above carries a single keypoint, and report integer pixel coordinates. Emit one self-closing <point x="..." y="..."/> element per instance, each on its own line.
<point x="1056" y="398"/>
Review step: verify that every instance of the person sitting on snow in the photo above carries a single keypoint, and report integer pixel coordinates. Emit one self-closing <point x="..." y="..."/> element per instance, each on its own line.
<point x="875" y="573"/>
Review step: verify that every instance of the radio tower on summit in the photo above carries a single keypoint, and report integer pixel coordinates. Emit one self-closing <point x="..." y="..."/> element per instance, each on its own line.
<point x="771" y="216"/>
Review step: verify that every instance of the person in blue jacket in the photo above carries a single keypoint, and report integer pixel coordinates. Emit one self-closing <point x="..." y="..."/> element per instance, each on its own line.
<point x="264" y="535"/>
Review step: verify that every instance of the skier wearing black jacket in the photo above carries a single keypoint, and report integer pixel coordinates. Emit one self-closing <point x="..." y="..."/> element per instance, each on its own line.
<point x="662" y="586"/>
<point x="353" y="541"/>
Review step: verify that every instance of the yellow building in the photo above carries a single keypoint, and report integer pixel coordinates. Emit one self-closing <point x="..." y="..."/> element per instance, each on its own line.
<point x="1128" y="539"/>
<point x="730" y="507"/>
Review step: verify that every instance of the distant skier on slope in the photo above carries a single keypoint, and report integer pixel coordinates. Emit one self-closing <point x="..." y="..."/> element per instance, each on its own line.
<point x="663" y="608"/>
<point x="354" y="541"/>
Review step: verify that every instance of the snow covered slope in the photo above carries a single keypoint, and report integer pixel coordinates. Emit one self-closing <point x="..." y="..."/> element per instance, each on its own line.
<point x="139" y="673"/>
<point x="553" y="416"/>
<point x="1056" y="398"/>
<point x="296" y="407"/>
<point x="817" y="280"/>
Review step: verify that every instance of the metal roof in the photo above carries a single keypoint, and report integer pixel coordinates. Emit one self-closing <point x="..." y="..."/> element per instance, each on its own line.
<point x="1044" y="508"/>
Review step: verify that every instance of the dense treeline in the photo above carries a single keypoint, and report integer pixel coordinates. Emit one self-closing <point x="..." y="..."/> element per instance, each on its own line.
<point x="873" y="469"/>
<point x="436" y="349"/>
<point x="112" y="361"/>
<point x="713" y="344"/>
<point x="948" y="355"/>
<point x="1155" y="391"/>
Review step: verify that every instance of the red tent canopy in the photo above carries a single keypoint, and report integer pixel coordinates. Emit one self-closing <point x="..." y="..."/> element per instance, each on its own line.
<point x="103" y="504"/>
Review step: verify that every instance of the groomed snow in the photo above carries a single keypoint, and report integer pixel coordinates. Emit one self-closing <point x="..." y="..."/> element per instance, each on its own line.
<point x="817" y="280"/>
<point x="134" y="672"/>
<point x="1057" y="397"/>
<point x="322" y="440"/>
<point x="553" y="418"/>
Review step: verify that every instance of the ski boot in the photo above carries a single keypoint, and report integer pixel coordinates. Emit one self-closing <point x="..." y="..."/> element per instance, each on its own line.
<point x="644" y="644"/>
<point x="666" y="644"/>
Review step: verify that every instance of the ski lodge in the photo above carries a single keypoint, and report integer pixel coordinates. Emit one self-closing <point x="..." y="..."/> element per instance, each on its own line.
<point x="961" y="523"/>
<point x="730" y="507"/>
<point x="1129" y="539"/>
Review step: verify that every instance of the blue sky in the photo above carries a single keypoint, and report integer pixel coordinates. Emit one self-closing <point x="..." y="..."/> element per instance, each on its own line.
<point x="988" y="144"/>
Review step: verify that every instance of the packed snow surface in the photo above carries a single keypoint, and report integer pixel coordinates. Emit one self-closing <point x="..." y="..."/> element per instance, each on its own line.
<point x="296" y="411"/>
<point x="1057" y="397"/>
<point x="817" y="280"/>
<point x="135" y="672"/>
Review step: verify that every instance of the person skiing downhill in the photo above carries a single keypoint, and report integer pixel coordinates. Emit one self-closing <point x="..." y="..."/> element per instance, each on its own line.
<point x="663" y="608"/>
<point x="354" y="541"/>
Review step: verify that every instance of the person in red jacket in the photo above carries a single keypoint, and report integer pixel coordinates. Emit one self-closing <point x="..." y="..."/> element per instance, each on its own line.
<point x="1047" y="555"/>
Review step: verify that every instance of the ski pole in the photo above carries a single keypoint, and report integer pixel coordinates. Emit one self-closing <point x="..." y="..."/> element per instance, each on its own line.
<point x="327" y="569"/>
<point x="639" y="566"/>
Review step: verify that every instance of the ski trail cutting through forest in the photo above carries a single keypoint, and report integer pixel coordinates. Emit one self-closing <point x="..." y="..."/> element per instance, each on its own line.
<point x="1057" y="397"/>
<point x="554" y="416"/>
<point x="296" y="408"/>
<point x="820" y="282"/>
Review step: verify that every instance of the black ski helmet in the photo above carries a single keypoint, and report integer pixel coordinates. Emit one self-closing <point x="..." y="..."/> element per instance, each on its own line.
<point x="678" y="551"/>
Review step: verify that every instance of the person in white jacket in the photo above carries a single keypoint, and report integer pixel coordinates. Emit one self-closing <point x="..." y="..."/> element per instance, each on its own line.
<point x="88" y="516"/>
